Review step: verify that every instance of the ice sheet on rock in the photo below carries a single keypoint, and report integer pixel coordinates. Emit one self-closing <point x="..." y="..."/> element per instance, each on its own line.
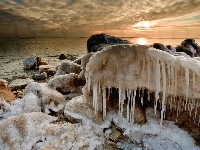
<point x="129" y="67"/>
<point x="150" y="137"/>
<point x="64" y="83"/>
<point x="67" y="67"/>
<point x="50" y="99"/>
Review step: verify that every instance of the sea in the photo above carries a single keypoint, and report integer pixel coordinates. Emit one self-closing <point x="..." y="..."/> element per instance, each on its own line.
<point x="14" y="51"/>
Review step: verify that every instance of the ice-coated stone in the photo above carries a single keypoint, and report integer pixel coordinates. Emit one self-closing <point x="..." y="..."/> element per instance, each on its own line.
<point x="65" y="83"/>
<point x="67" y="67"/>
<point x="30" y="63"/>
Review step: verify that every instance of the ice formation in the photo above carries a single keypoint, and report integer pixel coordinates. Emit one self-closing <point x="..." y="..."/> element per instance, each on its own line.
<point x="174" y="79"/>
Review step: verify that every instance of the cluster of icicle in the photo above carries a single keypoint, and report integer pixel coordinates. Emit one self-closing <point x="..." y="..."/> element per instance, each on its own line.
<point x="174" y="80"/>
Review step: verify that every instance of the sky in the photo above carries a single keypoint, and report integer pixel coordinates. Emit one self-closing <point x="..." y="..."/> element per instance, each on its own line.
<point x="82" y="18"/>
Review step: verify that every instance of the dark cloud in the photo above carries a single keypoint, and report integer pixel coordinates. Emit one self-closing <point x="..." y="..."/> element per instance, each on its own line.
<point x="83" y="17"/>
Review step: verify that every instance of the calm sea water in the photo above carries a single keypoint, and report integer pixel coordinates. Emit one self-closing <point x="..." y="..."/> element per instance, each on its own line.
<point x="14" y="51"/>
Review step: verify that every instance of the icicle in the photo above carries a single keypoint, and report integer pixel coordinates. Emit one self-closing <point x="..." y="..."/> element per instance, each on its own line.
<point x="149" y="72"/>
<point x="169" y="77"/>
<point x="95" y="98"/>
<point x="193" y="86"/>
<point x="89" y="82"/>
<point x="121" y="100"/>
<point x="187" y="83"/>
<point x="164" y="90"/>
<point x="104" y="102"/>
<point x="133" y="105"/>
<point x="141" y="97"/>
<point x="128" y="104"/>
<point x="172" y="82"/>
<point x="175" y="80"/>
<point x="157" y="78"/>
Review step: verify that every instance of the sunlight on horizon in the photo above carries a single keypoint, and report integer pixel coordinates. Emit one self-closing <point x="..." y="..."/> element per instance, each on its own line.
<point x="142" y="41"/>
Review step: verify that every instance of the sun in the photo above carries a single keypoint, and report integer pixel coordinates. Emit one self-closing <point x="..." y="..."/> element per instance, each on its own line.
<point x="142" y="41"/>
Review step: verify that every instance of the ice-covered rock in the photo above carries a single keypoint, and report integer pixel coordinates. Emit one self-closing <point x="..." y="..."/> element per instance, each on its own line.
<point x="68" y="67"/>
<point x="78" y="108"/>
<point x="65" y="83"/>
<point x="30" y="63"/>
<point x="85" y="59"/>
<point x="98" y="41"/>
<point x="49" y="69"/>
<point x="138" y="66"/>
<point x="51" y="100"/>
<point x="20" y="83"/>
<point x="161" y="47"/>
<point x="39" y="131"/>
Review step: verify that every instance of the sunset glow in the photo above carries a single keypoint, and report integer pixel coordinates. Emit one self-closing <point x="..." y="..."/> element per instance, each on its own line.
<point x="48" y="18"/>
<point x="142" y="41"/>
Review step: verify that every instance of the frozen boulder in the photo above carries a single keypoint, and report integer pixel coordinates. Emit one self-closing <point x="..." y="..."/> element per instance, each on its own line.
<point x="51" y="100"/>
<point x="65" y="83"/>
<point x="190" y="47"/>
<point x="67" y="67"/>
<point x="5" y="92"/>
<point x="30" y="63"/>
<point x="20" y="83"/>
<point x="77" y="108"/>
<point x="98" y="41"/>
<point x="49" y="69"/>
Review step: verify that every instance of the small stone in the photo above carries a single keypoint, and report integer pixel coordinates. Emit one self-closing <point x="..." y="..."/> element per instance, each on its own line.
<point x="50" y="70"/>
<point x="41" y="76"/>
<point x="20" y="83"/>
<point x="41" y="61"/>
<point x="62" y="57"/>
<point x="30" y="63"/>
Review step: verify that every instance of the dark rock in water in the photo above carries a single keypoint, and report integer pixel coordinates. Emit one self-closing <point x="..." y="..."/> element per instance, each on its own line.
<point x="98" y="41"/>
<point x="62" y="57"/>
<point x="161" y="47"/>
<point x="171" y="48"/>
<point x="30" y="63"/>
<point x="189" y="47"/>
<point x="41" y="76"/>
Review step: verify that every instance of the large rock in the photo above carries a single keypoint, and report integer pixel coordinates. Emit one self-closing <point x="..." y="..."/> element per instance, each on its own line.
<point x="20" y="83"/>
<point x="189" y="47"/>
<point x="67" y="67"/>
<point x="98" y="41"/>
<point x="30" y="63"/>
<point x="5" y="92"/>
<point x="50" y="70"/>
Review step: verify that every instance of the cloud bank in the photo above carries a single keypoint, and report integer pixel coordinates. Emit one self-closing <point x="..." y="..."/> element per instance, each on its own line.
<point x="68" y="18"/>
